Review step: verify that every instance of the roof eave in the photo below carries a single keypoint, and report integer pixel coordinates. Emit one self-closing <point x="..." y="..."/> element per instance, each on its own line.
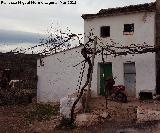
<point x="91" y="16"/>
<point x="147" y="7"/>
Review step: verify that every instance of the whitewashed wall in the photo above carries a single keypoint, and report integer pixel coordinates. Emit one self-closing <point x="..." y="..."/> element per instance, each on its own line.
<point x="58" y="78"/>
<point x="144" y="31"/>
<point x="144" y="24"/>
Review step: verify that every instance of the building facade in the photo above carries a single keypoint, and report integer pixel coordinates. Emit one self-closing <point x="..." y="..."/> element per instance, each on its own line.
<point x="125" y="26"/>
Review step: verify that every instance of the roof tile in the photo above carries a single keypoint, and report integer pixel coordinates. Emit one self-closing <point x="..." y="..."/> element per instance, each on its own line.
<point x="122" y="10"/>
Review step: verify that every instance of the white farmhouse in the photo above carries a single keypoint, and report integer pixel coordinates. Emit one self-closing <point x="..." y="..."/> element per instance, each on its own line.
<point x="125" y="25"/>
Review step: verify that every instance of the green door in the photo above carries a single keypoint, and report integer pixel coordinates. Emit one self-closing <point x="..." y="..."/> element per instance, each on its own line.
<point x="105" y="71"/>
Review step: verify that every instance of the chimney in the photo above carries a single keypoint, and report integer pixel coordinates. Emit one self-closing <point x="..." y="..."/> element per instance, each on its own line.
<point x="157" y="37"/>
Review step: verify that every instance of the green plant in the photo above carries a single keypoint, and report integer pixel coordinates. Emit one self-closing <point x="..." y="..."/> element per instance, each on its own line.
<point x="42" y="112"/>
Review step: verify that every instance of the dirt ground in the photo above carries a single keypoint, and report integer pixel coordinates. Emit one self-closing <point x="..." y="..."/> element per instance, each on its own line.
<point x="121" y="116"/>
<point x="122" y="111"/>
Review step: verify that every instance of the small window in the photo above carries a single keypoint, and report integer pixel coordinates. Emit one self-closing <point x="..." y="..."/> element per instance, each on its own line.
<point x="105" y="31"/>
<point x="128" y="29"/>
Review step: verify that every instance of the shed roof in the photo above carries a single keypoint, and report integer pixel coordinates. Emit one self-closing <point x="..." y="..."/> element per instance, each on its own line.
<point x="122" y="10"/>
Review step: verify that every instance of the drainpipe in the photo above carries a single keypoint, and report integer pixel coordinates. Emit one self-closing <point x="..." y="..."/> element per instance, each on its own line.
<point x="157" y="44"/>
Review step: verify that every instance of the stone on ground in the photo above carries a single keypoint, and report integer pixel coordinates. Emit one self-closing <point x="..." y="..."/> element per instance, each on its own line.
<point x="144" y="115"/>
<point x="86" y="119"/>
<point x="66" y="105"/>
<point x="104" y="115"/>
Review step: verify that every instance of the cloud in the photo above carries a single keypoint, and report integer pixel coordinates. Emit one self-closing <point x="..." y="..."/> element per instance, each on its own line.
<point x="10" y="36"/>
<point x="38" y="18"/>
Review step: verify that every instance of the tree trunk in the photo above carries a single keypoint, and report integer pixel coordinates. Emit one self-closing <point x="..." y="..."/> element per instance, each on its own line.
<point x="90" y="79"/>
<point x="87" y="59"/>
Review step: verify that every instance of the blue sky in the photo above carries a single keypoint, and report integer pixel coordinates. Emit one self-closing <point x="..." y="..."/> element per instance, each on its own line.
<point x="27" y="23"/>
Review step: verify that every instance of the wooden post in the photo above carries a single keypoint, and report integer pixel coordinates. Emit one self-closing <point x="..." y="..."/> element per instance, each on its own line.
<point x="157" y="45"/>
<point x="90" y="80"/>
<point x="106" y="91"/>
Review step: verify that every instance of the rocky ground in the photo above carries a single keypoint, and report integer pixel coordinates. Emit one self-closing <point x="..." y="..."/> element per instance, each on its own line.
<point x="118" y="118"/>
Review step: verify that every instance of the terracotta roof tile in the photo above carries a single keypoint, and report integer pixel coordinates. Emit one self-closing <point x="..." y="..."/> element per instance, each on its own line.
<point x="122" y="10"/>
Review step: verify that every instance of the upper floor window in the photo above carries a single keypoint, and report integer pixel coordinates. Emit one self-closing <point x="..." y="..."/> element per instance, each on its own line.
<point x="128" y="29"/>
<point x="105" y="31"/>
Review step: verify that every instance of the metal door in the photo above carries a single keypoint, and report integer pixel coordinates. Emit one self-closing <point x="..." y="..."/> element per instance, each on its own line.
<point x="130" y="78"/>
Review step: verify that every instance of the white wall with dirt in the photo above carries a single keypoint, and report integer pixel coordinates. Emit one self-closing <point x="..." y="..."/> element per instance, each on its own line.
<point x="144" y="32"/>
<point x="58" y="78"/>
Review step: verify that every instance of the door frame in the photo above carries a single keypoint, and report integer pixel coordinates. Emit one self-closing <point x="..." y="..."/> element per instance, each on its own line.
<point x="130" y="62"/>
<point x="98" y="75"/>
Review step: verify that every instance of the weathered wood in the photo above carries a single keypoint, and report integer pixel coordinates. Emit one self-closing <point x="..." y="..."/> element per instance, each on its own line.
<point x="157" y="44"/>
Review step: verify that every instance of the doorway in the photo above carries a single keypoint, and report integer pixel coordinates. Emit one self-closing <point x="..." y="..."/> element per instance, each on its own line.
<point x="130" y="78"/>
<point x="105" y="71"/>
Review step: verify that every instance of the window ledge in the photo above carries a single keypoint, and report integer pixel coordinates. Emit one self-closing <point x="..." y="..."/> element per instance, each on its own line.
<point x="105" y="36"/>
<point x="128" y="33"/>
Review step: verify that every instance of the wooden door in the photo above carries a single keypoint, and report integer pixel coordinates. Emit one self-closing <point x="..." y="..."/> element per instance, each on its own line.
<point x="105" y="71"/>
